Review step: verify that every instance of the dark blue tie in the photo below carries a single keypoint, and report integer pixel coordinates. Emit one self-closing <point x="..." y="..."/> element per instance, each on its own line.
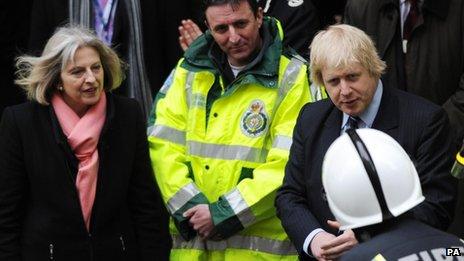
<point x="352" y="122"/>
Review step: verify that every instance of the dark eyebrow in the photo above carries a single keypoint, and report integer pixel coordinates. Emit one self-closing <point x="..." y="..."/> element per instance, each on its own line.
<point x="240" y="21"/>
<point x="219" y="27"/>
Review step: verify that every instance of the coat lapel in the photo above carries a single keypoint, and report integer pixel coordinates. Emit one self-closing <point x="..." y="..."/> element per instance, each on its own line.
<point x="329" y="133"/>
<point x="386" y="119"/>
<point x="332" y="127"/>
<point x="388" y="23"/>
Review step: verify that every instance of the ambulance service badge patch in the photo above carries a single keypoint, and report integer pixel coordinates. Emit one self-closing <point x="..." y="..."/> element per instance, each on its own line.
<point x="255" y="120"/>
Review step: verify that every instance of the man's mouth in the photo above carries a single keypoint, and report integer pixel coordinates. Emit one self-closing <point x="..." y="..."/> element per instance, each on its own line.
<point x="349" y="102"/>
<point x="237" y="48"/>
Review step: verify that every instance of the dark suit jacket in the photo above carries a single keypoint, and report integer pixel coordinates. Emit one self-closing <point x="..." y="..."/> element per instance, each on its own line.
<point x="40" y="213"/>
<point x="421" y="127"/>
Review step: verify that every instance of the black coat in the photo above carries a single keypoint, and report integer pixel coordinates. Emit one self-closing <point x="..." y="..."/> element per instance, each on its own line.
<point x="300" y="22"/>
<point x="419" y="126"/>
<point x="40" y="214"/>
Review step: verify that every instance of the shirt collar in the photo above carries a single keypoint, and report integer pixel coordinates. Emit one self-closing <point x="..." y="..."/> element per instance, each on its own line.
<point x="368" y="115"/>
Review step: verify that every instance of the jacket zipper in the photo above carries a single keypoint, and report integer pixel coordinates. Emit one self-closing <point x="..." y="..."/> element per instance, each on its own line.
<point x="91" y="246"/>
<point x="123" y="246"/>
<point x="50" y="248"/>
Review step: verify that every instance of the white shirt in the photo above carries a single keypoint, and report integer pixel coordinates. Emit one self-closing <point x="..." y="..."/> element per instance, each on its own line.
<point x="236" y="69"/>
<point x="404" y="11"/>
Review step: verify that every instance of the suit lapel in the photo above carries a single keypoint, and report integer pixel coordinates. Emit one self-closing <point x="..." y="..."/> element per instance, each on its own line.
<point x="388" y="23"/>
<point x="329" y="133"/>
<point x="332" y="127"/>
<point x="386" y="119"/>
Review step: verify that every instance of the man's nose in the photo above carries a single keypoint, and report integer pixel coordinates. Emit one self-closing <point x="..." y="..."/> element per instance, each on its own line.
<point x="234" y="38"/>
<point x="345" y="88"/>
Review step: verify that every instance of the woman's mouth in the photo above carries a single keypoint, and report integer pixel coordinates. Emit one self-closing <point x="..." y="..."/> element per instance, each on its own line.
<point x="90" y="91"/>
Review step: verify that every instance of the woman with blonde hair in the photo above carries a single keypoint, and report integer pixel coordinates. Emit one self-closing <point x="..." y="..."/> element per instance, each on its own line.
<point x="75" y="175"/>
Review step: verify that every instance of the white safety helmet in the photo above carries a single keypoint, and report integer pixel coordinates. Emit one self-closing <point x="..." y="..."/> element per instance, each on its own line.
<point x="368" y="178"/>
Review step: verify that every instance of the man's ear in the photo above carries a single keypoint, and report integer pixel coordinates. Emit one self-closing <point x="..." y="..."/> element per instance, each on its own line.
<point x="206" y="23"/>
<point x="259" y="16"/>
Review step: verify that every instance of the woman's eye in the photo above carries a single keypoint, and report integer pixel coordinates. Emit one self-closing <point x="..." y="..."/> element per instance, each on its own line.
<point x="96" y="68"/>
<point x="77" y="73"/>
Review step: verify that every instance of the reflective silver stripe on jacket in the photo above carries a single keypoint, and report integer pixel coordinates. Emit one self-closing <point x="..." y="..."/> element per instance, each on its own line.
<point x="182" y="196"/>
<point x="188" y="87"/>
<point x="168" y="82"/>
<point x="198" y="100"/>
<point x="252" y="243"/>
<point x="227" y="152"/>
<point x="167" y="133"/>
<point x="282" y="142"/>
<point x="207" y="150"/>
<point x="288" y="79"/>
<point x="316" y="92"/>
<point x="240" y="207"/>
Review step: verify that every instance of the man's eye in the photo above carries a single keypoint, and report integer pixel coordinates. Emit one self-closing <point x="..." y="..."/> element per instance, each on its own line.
<point x="241" y="24"/>
<point x="333" y="82"/>
<point x="352" y="77"/>
<point x="220" y="29"/>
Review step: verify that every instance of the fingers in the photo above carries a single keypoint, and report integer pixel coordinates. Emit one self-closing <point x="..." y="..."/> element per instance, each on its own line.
<point x="189" y="31"/>
<point x="190" y="212"/>
<point x="196" y="29"/>
<point x="336" y="247"/>
<point x="333" y="224"/>
<point x="183" y="43"/>
<point x="336" y="252"/>
<point x="334" y="243"/>
<point x="319" y="239"/>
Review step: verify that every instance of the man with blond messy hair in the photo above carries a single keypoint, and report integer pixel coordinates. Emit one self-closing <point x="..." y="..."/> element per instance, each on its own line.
<point x="350" y="69"/>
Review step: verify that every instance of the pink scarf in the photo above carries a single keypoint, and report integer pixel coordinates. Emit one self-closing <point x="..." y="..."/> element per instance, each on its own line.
<point x="83" y="135"/>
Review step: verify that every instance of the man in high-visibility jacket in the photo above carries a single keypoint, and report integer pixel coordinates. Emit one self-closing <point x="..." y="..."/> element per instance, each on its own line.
<point x="220" y="136"/>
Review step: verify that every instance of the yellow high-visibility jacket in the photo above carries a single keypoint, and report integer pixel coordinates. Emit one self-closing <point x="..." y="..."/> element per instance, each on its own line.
<point x="229" y="151"/>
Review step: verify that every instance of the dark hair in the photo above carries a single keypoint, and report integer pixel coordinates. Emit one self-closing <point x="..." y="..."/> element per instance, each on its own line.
<point x="234" y="3"/>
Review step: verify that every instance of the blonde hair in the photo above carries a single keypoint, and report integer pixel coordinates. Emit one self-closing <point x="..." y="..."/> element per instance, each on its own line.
<point x="341" y="46"/>
<point x="39" y="76"/>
